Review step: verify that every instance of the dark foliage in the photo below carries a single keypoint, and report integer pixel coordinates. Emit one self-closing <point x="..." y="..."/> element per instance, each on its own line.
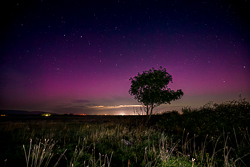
<point x="229" y="121"/>
<point x="150" y="88"/>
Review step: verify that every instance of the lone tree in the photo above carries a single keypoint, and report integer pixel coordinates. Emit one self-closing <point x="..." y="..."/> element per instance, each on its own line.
<point x="150" y="88"/>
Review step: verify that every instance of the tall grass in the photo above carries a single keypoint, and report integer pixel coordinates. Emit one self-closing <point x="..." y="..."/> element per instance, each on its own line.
<point x="39" y="153"/>
<point x="198" y="137"/>
<point x="219" y="131"/>
<point x="90" y="145"/>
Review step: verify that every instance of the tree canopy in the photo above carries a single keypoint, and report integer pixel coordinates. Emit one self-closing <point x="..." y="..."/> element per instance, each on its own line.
<point x="150" y="88"/>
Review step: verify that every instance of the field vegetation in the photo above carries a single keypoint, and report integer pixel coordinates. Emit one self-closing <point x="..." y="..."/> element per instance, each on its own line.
<point x="213" y="135"/>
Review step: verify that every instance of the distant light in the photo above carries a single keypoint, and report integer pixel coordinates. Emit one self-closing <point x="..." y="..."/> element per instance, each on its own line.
<point x="3" y="115"/>
<point x="46" y="115"/>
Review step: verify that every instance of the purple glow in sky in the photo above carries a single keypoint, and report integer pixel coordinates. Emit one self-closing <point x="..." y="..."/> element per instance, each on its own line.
<point x="77" y="56"/>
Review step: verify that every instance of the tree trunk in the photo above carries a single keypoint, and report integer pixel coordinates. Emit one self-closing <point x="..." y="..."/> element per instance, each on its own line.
<point x="150" y="113"/>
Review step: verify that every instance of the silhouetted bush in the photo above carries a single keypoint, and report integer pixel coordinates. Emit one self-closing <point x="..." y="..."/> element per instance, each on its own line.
<point x="228" y="120"/>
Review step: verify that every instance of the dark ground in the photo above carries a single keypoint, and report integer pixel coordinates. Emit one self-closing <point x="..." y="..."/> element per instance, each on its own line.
<point x="134" y="119"/>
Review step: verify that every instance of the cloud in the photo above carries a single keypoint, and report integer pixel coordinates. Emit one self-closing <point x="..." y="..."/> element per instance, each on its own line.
<point x="75" y="110"/>
<point x="80" y="101"/>
<point x="111" y="107"/>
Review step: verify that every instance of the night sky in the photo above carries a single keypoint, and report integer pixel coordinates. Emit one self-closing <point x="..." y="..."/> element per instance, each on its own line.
<point x="77" y="57"/>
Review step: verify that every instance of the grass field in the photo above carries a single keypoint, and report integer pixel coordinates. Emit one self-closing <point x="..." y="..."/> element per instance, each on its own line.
<point x="213" y="135"/>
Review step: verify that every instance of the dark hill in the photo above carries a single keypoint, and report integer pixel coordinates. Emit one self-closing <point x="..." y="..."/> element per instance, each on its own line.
<point x="21" y="112"/>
